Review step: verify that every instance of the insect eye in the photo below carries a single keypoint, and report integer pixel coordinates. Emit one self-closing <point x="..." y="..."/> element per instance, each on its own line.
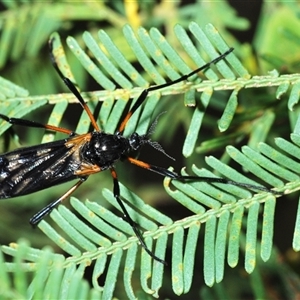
<point x="135" y="141"/>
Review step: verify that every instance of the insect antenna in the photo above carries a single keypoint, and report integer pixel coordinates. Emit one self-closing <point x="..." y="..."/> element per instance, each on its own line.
<point x="157" y="146"/>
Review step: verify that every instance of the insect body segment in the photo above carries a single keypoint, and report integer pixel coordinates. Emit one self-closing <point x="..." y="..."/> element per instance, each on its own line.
<point x="30" y="169"/>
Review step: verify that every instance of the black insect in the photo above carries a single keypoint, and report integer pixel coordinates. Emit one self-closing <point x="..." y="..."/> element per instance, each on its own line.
<point x="30" y="169"/>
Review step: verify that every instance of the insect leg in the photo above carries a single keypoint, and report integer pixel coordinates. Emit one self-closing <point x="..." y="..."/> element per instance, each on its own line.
<point x="72" y="87"/>
<point x="29" y="123"/>
<point x="127" y="217"/>
<point x="145" y="92"/>
<point x="47" y="209"/>
<point x="167" y="173"/>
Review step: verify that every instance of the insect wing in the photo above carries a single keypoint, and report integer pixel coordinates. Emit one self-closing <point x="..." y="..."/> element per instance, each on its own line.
<point x="30" y="169"/>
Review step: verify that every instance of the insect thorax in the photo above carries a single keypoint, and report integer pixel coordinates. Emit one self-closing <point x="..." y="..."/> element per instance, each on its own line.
<point x="104" y="149"/>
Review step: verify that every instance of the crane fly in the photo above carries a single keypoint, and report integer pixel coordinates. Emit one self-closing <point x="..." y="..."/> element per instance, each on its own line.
<point x="31" y="169"/>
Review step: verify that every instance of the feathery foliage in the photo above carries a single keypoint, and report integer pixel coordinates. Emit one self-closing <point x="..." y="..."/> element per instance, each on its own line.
<point x="229" y="112"/>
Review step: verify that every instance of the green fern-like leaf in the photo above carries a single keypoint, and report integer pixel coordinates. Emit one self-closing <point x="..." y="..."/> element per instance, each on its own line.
<point x="91" y="234"/>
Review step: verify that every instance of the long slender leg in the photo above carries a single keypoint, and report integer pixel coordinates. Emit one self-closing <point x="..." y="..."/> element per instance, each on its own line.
<point x="173" y="175"/>
<point x="127" y="217"/>
<point x="145" y="92"/>
<point x="47" y="209"/>
<point x="72" y="87"/>
<point x="28" y="123"/>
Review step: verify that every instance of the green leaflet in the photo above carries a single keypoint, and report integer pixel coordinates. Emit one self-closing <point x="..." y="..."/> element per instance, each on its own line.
<point x="91" y="233"/>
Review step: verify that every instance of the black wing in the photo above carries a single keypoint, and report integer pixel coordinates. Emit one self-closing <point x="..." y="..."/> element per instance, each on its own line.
<point x="27" y="170"/>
